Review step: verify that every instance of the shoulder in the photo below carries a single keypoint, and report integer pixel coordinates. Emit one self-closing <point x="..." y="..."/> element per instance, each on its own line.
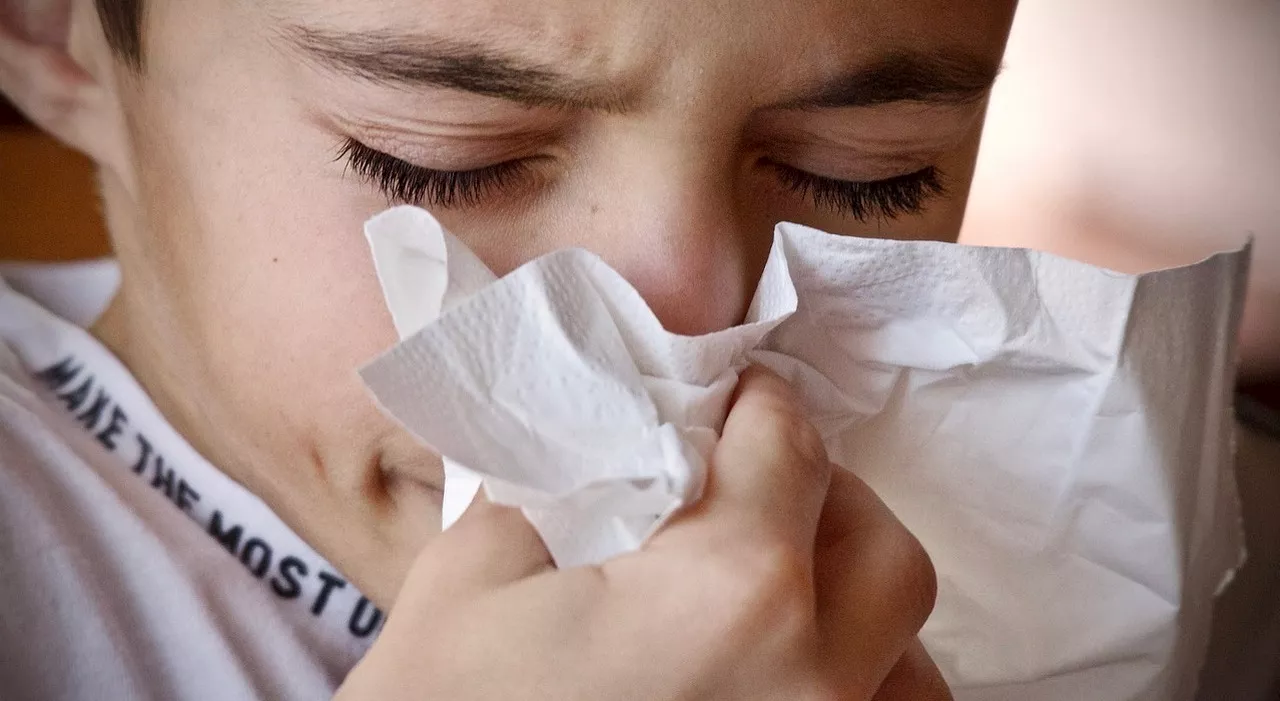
<point x="97" y="568"/>
<point x="29" y="432"/>
<point x="43" y="465"/>
<point x="41" y="476"/>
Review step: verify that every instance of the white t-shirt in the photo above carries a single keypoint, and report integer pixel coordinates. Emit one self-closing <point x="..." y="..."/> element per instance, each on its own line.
<point x="131" y="568"/>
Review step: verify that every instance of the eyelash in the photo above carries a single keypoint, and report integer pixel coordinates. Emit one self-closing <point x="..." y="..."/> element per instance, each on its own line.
<point x="882" y="199"/>
<point x="404" y="182"/>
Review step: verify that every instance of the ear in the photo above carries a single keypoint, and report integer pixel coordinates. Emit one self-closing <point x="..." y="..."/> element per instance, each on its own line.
<point x="55" y="66"/>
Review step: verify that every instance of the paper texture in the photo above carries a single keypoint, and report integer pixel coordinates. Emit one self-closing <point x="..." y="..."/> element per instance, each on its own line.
<point x="1057" y="435"/>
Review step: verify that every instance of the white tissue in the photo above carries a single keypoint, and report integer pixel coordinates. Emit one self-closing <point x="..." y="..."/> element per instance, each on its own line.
<point x="1057" y="435"/>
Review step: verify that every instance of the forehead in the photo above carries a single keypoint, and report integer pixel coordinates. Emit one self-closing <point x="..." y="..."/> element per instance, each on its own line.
<point x="611" y="33"/>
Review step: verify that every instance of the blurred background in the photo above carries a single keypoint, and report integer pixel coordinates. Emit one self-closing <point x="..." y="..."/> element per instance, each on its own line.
<point x="47" y="197"/>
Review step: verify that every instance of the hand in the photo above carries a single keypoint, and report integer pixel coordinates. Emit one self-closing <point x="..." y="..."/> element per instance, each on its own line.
<point x="746" y="596"/>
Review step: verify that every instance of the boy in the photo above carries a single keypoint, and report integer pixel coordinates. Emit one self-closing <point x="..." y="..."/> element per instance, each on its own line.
<point x="240" y="146"/>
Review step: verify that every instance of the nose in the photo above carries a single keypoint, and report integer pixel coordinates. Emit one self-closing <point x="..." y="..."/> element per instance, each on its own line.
<point x="675" y="226"/>
<point x="682" y="248"/>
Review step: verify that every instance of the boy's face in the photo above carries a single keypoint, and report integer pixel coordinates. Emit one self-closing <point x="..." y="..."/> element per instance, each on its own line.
<point x="667" y="136"/>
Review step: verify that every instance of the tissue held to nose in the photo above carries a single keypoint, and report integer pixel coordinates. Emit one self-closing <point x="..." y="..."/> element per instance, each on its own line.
<point x="785" y="581"/>
<point x="1026" y="416"/>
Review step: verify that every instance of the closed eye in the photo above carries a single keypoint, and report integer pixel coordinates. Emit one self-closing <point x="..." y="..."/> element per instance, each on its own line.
<point x="902" y="195"/>
<point x="401" y="181"/>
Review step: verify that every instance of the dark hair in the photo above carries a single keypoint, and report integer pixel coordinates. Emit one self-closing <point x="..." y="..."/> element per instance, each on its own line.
<point x="122" y="23"/>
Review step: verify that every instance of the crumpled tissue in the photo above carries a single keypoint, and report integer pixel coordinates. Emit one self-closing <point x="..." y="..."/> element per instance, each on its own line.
<point x="1058" y="436"/>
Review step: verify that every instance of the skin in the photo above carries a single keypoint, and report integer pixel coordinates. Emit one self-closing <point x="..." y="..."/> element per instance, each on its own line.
<point x="248" y="298"/>
<point x="1179" y="164"/>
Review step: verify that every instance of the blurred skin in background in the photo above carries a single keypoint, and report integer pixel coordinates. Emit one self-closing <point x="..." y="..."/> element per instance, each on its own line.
<point x="1139" y="135"/>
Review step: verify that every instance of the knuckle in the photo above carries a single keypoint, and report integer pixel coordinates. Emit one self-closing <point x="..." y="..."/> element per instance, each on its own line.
<point x="918" y="580"/>
<point x="796" y="438"/>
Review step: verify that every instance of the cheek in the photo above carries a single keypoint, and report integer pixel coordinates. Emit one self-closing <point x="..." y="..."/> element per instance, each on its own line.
<point x="259" y="251"/>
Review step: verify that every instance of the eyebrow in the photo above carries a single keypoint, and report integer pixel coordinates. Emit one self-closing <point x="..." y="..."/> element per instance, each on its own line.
<point x="935" y="78"/>
<point x="418" y="61"/>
